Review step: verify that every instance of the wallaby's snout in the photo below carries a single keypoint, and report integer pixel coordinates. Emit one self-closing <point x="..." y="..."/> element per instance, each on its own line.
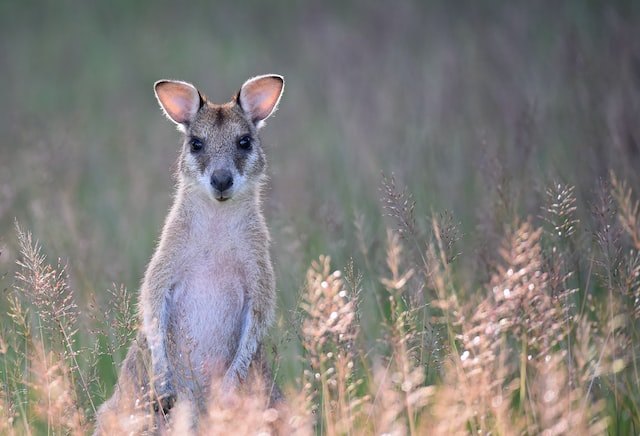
<point x="222" y="181"/>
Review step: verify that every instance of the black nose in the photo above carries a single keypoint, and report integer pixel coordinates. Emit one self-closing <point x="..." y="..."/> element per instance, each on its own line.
<point x="221" y="180"/>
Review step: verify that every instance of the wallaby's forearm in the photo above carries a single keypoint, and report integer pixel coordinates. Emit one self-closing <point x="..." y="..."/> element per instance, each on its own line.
<point x="247" y="346"/>
<point x="154" y="324"/>
<point x="257" y="318"/>
<point x="254" y="328"/>
<point x="155" y="292"/>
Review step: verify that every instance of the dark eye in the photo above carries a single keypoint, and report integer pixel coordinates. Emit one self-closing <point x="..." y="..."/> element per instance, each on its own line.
<point x="196" y="145"/>
<point x="244" y="143"/>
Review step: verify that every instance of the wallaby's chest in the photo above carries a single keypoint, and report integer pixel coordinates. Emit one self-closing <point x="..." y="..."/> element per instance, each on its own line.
<point x="207" y="302"/>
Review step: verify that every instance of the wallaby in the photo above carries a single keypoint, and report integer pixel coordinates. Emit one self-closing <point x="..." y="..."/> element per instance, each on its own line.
<point x="208" y="295"/>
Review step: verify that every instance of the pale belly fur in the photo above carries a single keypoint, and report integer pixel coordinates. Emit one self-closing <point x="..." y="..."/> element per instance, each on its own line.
<point x="205" y="322"/>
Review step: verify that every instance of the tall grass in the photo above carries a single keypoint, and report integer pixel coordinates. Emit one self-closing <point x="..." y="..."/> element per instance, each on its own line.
<point x="528" y="353"/>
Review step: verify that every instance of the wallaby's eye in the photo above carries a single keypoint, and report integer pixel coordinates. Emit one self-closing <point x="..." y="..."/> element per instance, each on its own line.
<point x="196" y="145"/>
<point x="244" y="143"/>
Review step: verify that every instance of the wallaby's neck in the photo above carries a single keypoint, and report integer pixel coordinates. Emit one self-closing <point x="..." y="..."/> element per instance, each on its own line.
<point x="199" y="207"/>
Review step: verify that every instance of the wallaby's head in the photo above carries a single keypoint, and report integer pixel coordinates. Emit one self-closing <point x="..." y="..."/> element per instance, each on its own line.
<point x="221" y="153"/>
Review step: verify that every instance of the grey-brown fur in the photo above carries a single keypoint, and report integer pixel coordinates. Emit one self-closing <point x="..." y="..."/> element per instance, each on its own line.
<point x="208" y="295"/>
<point x="220" y="126"/>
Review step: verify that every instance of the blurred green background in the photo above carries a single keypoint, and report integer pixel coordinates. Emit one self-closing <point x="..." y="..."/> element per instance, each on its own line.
<point x="476" y="107"/>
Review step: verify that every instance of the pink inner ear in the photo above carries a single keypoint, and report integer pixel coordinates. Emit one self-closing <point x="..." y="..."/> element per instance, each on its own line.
<point x="179" y="100"/>
<point x="259" y="97"/>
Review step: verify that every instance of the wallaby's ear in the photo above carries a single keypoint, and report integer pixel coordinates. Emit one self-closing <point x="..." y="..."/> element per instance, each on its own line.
<point x="259" y="97"/>
<point x="180" y="101"/>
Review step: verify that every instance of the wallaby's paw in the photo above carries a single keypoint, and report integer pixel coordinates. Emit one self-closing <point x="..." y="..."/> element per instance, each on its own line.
<point x="165" y="397"/>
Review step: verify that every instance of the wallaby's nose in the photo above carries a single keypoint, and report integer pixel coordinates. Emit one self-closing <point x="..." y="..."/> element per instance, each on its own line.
<point x="221" y="180"/>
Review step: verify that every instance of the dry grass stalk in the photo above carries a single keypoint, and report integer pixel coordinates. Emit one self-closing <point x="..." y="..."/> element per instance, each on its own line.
<point x="46" y="288"/>
<point x="399" y="206"/>
<point x="242" y="412"/>
<point x="519" y="289"/>
<point x="329" y="331"/>
<point x="476" y="393"/>
<point x="628" y="209"/>
<point x="559" y="407"/>
<point x="55" y="393"/>
<point x="630" y="283"/>
<point x="7" y="414"/>
<point x="388" y="405"/>
<point x="7" y="418"/>
<point x="517" y="322"/>
<point x="560" y="210"/>
<point x="118" y="323"/>
<point x="405" y="369"/>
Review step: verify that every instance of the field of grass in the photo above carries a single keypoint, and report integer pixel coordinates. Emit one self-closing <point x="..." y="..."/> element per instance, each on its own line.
<point x="453" y="202"/>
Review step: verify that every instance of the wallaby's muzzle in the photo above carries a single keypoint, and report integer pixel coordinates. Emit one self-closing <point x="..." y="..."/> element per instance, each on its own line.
<point x="222" y="181"/>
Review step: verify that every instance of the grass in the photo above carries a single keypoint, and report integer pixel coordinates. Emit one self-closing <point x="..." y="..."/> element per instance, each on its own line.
<point x="470" y="170"/>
